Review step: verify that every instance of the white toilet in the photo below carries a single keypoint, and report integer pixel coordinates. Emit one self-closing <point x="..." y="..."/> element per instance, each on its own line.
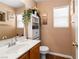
<point x="43" y="50"/>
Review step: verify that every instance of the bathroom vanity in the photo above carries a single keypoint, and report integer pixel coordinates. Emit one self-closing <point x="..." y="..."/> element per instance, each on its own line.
<point x="24" y="49"/>
<point x="33" y="33"/>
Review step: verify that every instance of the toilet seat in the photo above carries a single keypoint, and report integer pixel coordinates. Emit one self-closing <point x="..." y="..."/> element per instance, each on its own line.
<point x="44" y="49"/>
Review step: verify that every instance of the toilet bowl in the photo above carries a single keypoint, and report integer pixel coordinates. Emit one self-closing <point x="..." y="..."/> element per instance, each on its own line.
<point x="43" y="50"/>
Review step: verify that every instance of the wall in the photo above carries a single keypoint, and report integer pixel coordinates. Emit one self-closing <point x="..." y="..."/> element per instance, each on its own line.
<point x="7" y="28"/>
<point x="57" y="39"/>
<point x="20" y="10"/>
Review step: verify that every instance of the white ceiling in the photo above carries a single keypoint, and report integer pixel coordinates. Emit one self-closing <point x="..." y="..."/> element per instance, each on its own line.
<point x="40" y="1"/>
<point x="17" y="3"/>
<point x="13" y="3"/>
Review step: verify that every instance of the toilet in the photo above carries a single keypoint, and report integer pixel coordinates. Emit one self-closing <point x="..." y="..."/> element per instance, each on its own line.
<point x="43" y="50"/>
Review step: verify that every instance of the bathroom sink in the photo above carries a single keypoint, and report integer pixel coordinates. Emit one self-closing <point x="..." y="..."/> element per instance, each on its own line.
<point x="16" y="48"/>
<point x="3" y="49"/>
<point x="25" y="42"/>
<point x="19" y="46"/>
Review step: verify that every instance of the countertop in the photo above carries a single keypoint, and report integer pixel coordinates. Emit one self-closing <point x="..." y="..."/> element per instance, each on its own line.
<point x="17" y="50"/>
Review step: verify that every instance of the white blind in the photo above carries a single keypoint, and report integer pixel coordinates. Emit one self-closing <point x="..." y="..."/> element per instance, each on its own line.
<point x="61" y="17"/>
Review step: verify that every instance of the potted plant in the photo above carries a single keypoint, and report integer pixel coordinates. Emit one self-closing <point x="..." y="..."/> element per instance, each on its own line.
<point x="26" y="20"/>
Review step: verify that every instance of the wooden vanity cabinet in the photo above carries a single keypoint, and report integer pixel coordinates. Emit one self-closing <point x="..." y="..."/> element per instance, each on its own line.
<point x="25" y="56"/>
<point x="33" y="53"/>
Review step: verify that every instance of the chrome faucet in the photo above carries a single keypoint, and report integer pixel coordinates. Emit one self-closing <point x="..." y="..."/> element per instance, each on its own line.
<point x="16" y="38"/>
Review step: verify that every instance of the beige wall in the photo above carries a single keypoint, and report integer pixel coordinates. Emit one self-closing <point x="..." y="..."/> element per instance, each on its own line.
<point x="7" y="28"/>
<point x="57" y="39"/>
<point x="20" y="10"/>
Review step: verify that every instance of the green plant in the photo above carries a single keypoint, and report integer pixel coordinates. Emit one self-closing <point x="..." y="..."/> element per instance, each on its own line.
<point x="26" y="19"/>
<point x="26" y="16"/>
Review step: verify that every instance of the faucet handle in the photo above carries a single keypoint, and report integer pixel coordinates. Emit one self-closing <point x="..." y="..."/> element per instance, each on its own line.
<point x="9" y="44"/>
<point x="16" y="39"/>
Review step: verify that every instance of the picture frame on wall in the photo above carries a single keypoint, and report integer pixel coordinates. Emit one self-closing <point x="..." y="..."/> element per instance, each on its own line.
<point x="44" y="19"/>
<point x="3" y="16"/>
<point x="10" y="15"/>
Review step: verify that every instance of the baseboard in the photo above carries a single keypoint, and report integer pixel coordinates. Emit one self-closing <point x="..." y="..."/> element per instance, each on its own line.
<point x="61" y="55"/>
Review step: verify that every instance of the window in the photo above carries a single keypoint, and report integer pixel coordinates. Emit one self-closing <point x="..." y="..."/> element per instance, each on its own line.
<point x="19" y="21"/>
<point x="61" y="17"/>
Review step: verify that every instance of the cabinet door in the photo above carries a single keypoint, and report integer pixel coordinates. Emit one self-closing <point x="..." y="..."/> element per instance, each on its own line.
<point x="35" y="52"/>
<point x="25" y="56"/>
<point x="28" y="55"/>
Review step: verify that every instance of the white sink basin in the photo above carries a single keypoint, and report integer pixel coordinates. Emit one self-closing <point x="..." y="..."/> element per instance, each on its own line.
<point x="13" y="49"/>
<point x="16" y="48"/>
<point x="3" y="49"/>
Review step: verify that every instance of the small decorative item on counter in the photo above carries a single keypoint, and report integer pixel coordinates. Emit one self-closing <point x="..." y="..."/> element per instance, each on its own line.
<point x="26" y="20"/>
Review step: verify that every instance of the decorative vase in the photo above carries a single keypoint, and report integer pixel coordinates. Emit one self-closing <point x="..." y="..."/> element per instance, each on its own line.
<point x="25" y="31"/>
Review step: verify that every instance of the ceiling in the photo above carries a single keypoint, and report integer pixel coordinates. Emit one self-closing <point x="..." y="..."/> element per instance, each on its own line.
<point x="16" y="3"/>
<point x="40" y="1"/>
<point x="13" y="3"/>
